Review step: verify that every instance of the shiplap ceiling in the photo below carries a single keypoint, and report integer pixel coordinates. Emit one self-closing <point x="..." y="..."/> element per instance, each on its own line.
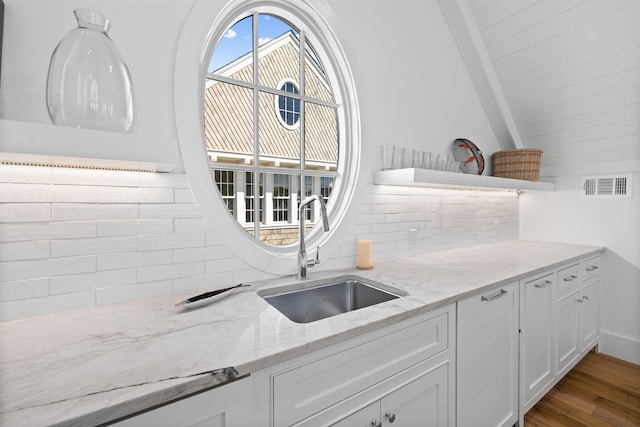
<point x="570" y="72"/>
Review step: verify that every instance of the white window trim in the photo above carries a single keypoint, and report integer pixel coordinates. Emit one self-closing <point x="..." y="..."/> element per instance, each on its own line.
<point x="276" y="104"/>
<point x="207" y="21"/>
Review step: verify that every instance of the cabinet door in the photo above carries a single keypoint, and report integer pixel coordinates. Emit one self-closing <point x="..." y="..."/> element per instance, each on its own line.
<point x="225" y="406"/>
<point x="368" y="416"/>
<point x="589" y="316"/>
<point x="537" y="316"/>
<point x="487" y="374"/>
<point x="422" y="402"/>
<point x="567" y="332"/>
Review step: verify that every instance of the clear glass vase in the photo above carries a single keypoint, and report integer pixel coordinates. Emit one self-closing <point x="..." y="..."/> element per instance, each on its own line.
<point x="89" y="85"/>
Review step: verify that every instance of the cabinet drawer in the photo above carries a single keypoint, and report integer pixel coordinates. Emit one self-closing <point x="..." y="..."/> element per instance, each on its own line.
<point x="542" y="282"/>
<point x="568" y="280"/>
<point x="306" y="389"/>
<point x="590" y="268"/>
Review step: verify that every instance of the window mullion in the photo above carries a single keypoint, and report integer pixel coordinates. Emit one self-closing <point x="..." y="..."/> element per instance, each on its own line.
<point x="302" y="114"/>
<point x="256" y="126"/>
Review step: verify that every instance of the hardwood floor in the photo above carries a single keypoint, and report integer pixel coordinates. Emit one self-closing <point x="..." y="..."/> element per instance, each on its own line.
<point x="599" y="391"/>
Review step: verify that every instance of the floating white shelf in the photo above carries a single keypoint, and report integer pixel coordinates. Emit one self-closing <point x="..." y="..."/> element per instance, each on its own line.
<point x="433" y="178"/>
<point x="44" y="144"/>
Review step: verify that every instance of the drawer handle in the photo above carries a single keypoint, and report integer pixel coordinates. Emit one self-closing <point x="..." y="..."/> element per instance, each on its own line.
<point x="491" y="298"/>
<point x="570" y="278"/>
<point x="580" y="301"/>
<point x="544" y="284"/>
<point x="376" y="423"/>
<point x="592" y="268"/>
<point x="585" y="297"/>
<point x="390" y="416"/>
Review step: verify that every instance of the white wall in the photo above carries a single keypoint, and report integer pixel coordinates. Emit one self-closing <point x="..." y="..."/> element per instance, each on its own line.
<point x="412" y="84"/>
<point x="62" y="231"/>
<point x="615" y="223"/>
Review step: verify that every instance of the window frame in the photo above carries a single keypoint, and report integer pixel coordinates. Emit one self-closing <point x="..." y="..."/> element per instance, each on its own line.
<point x="295" y="125"/>
<point x="206" y="22"/>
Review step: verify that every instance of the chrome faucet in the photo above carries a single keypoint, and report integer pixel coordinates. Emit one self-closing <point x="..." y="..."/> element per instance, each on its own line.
<point x="303" y="264"/>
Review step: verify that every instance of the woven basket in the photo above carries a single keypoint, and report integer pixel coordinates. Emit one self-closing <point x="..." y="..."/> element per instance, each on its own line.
<point x="523" y="164"/>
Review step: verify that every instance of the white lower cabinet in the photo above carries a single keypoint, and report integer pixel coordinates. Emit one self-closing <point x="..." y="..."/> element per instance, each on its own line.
<point x="487" y="358"/>
<point x="402" y="375"/>
<point x="568" y="332"/>
<point x="225" y="406"/>
<point x="559" y="326"/>
<point x="589" y="321"/>
<point x="422" y="402"/>
<point x="537" y="343"/>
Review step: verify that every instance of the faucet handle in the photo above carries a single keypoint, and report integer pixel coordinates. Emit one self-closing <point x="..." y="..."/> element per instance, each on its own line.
<point x="316" y="260"/>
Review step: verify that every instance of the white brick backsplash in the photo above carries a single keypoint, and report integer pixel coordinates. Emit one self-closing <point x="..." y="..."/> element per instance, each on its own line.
<point x="20" y="270"/>
<point x="207" y="282"/>
<point x="131" y="227"/>
<point x="249" y="275"/>
<point x="188" y="225"/>
<point x="170" y="271"/>
<point x="24" y="193"/>
<point x="16" y="251"/>
<point x="72" y="229"/>
<point x="72" y="238"/>
<point x="135" y="195"/>
<point x="404" y="217"/>
<point x="370" y="219"/>
<point x="74" y="194"/>
<point x="117" y="227"/>
<point x="100" y="279"/>
<point x="133" y="259"/>
<point x="168" y="180"/>
<point x="15" y="232"/>
<point x="184" y="195"/>
<point x="95" y="177"/>
<point x="79" y="211"/>
<point x="170" y="241"/>
<point x="98" y="245"/>
<point x="114" y="295"/>
<point x="19" y="309"/>
<point x="226" y="264"/>
<point x="26" y="174"/>
<point x="73" y="265"/>
<point x="23" y="289"/>
<point x="25" y="212"/>
<point x="185" y="210"/>
<point x="204" y="253"/>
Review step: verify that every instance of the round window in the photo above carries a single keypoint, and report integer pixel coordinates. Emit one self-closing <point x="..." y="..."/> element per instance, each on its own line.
<point x="262" y="165"/>
<point x="287" y="108"/>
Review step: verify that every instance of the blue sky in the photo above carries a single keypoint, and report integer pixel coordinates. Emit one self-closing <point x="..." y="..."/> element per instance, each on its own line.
<point x="237" y="40"/>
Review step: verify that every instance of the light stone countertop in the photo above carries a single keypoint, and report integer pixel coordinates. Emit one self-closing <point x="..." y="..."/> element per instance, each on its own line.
<point x="92" y="366"/>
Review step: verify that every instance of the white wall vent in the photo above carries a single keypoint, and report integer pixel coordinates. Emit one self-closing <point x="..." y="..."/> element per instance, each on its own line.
<point x="606" y="186"/>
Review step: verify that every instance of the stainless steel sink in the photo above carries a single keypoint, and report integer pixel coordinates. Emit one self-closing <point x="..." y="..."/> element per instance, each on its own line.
<point x="326" y="298"/>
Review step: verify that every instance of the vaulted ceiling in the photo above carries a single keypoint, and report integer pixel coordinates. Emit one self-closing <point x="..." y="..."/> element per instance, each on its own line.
<point x="569" y="71"/>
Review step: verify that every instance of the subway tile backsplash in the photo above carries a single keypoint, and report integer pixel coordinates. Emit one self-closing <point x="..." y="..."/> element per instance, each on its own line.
<point x="74" y="238"/>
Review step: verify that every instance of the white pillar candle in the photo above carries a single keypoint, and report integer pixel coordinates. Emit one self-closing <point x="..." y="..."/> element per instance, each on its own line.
<point x="364" y="255"/>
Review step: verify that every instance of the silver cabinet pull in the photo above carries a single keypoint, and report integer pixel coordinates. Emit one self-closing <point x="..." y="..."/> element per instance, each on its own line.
<point x="391" y="416"/>
<point x="592" y="268"/>
<point x="570" y="278"/>
<point x="585" y="297"/>
<point x="580" y="301"/>
<point x="544" y="284"/>
<point x="376" y="423"/>
<point x="491" y="298"/>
